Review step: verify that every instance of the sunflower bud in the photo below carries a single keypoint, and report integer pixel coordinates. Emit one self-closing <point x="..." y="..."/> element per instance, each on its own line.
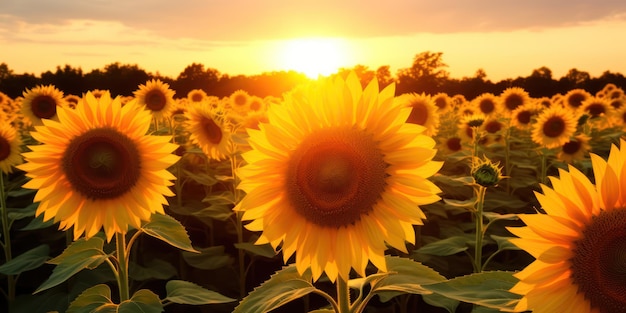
<point x="486" y="173"/>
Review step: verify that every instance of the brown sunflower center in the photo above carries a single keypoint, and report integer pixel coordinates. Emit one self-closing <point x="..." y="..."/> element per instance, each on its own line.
<point x="454" y="144"/>
<point x="595" y="109"/>
<point x="102" y="163"/>
<point x="211" y="130"/>
<point x="487" y="106"/>
<point x="524" y="117"/>
<point x="155" y="100"/>
<point x="335" y="176"/>
<point x="5" y="148"/>
<point x="419" y="114"/>
<point x="599" y="262"/>
<point x="571" y="147"/>
<point x="240" y="100"/>
<point x="554" y="127"/>
<point x="44" y="106"/>
<point x="196" y="97"/>
<point x="576" y="100"/>
<point x="493" y="127"/>
<point x="513" y="101"/>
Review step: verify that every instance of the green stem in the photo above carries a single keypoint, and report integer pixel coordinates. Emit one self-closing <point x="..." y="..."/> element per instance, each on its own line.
<point x="544" y="166"/>
<point x="507" y="158"/>
<point x="6" y="235"/>
<point x="478" y="252"/>
<point x="122" y="260"/>
<point x="239" y="224"/>
<point x="343" y="295"/>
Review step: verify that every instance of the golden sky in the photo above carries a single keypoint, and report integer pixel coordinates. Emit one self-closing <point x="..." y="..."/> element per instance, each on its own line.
<point x="505" y="39"/>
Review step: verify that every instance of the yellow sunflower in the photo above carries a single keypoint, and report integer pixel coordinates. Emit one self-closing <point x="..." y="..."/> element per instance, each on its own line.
<point x="575" y="150"/>
<point x="157" y="97"/>
<point x="512" y="98"/>
<point x="240" y="101"/>
<point x="42" y="102"/>
<point x="523" y="116"/>
<point x="335" y="174"/>
<point x="423" y="111"/>
<point x="443" y="102"/>
<point x="470" y="124"/>
<point x="10" y="143"/>
<point x="574" y="98"/>
<point x="486" y="103"/>
<point x="196" y="96"/>
<point x="208" y="130"/>
<point x="596" y="107"/>
<point x="96" y="168"/>
<point x="554" y="127"/>
<point x="578" y="243"/>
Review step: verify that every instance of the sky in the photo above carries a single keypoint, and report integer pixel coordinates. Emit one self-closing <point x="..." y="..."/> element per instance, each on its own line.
<point x="504" y="38"/>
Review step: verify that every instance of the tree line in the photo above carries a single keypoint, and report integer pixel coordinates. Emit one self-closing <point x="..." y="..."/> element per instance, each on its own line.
<point x="427" y="74"/>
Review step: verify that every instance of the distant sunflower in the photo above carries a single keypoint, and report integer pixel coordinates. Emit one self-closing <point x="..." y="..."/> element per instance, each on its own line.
<point x="486" y="103"/>
<point x="576" y="149"/>
<point x="443" y="102"/>
<point x="96" y="168"/>
<point x="10" y="143"/>
<point x="554" y="127"/>
<point x="208" y="130"/>
<point x="512" y="98"/>
<point x="596" y="107"/>
<point x="42" y="102"/>
<point x="335" y="174"/>
<point x="522" y="117"/>
<point x="469" y="125"/>
<point x="157" y="97"/>
<point x="72" y="100"/>
<point x="240" y="101"/>
<point x="196" y="96"/>
<point x="423" y="111"/>
<point x="257" y="104"/>
<point x="493" y="127"/>
<point x="450" y="145"/>
<point x="617" y="103"/>
<point x="578" y="243"/>
<point x="574" y="98"/>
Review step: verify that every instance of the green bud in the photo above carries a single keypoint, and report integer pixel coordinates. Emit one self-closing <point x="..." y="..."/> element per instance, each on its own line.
<point x="486" y="173"/>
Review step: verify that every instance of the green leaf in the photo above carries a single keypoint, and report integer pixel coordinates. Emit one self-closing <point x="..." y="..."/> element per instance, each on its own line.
<point x="504" y="243"/>
<point x="465" y="204"/>
<point x="168" y="229"/>
<point x="91" y="300"/>
<point x="440" y="301"/>
<point x="210" y="258"/>
<point x="79" y="255"/>
<point x="184" y="292"/>
<point x="493" y="216"/>
<point x="444" y="247"/>
<point x="218" y="212"/>
<point x="144" y="301"/>
<point x="201" y="178"/>
<point x="38" y="223"/>
<point x="284" y="286"/>
<point x="406" y="276"/>
<point x="489" y="289"/>
<point x="26" y="261"/>
<point x="323" y="311"/>
<point x="155" y="268"/>
<point x="264" y="250"/>
<point x="18" y="214"/>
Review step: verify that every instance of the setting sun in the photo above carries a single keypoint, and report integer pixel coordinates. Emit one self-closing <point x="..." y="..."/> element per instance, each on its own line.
<point x="313" y="56"/>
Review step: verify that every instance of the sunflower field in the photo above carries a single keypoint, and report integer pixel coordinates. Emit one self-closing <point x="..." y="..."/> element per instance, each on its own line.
<point x="336" y="197"/>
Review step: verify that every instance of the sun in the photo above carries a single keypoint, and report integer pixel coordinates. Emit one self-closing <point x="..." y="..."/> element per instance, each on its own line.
<point x="313" y="56"/>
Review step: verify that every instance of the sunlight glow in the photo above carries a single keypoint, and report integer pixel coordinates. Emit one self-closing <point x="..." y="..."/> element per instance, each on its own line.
<point x="313" y="56"/>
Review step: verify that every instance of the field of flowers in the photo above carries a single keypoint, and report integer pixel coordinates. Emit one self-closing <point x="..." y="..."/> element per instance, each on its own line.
<point x="336" y="197"/>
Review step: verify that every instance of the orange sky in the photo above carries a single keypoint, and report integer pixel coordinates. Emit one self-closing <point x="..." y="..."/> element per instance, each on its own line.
<point x="248" y="37"/>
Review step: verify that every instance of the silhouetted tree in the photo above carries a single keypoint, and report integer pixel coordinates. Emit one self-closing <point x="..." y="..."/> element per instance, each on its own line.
<point x="68" y="79"/>
<point x="427" y="74"/>
<point x="540" y="83"/>
<point x="194" y="76"/>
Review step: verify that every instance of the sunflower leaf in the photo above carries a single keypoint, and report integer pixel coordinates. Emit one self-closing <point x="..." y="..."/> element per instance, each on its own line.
<point x="92" y="245"/>
<point x="72" y="264"/>
<point x="28" y="260"/>
<point x="144" y="301"/>
<point x="445" y="247"/>
<point x="170" y="230"/>
<point x="406" y="276"/>
<point x="184" y="292"/>
<point x="93" y="299"/>
<point x="489" y="289"/>
<point x="284" y="286"/>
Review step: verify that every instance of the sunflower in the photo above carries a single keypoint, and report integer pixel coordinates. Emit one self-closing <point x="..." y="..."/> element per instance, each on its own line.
<point x="486" y="103"/>
<point x="72" y="100"/>
<point x="596" y="107"/>
<point x="523" y="116"/>
<point x="578" y="243"/>
<point x="240" y="101"/>
<point x="157" y="97"/>
<point x="575" y="150"/>
<point x="10" y="143"/>
<point x="574" y="98"/>
<point x="450" y="145"/>
<point x="96" y="167"/>
<point x="469" y="125"/>
<point x="512" y="98"/>
<point x="443" y="102"/>
<point x="423" y="111"/>
<point x="257" y="104"/>
<point x="208" y="130"/>
<point x="196" y="96"/>
<point x="335" y="174"/>
<point x="554" y="127"/>
<point x="42" y="102"/>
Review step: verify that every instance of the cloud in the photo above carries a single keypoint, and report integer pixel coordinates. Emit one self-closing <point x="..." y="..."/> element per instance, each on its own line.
<point x="240" y="20"/>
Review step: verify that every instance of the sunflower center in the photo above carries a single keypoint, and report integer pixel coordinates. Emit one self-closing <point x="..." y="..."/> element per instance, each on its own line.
<point x="44" y="107"/>
<point x="441" y="103"/>
<point x="5" y="148"/>
<point x="419" y="114"/>
<point x="335" y="176"/>
<point x="155" y="100"/>
<point x="513" y="101"/>
<point x="211" y="130"/>
<point x="599" y="262"/>
<point x="554" y="127"/>
<point x="102" y="163"/>
<point x="571" y="147"/>
<point x="493" y="127"/>
<point x="595" y="110"/>
<point x="454" y="143"/>
<point x="524" y="117"/>
<point x="196" y="97"/>
<point x="487" y="106"/>
<point x="576" y="100"/>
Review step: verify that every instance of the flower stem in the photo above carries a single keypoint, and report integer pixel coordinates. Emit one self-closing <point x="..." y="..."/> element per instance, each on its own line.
<point x="6" y="235"/>
<point x="478" y="250"/>
<point x="343" y="295"/>
<point x="122" y="260"/>
<point x="239" y="227"/>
